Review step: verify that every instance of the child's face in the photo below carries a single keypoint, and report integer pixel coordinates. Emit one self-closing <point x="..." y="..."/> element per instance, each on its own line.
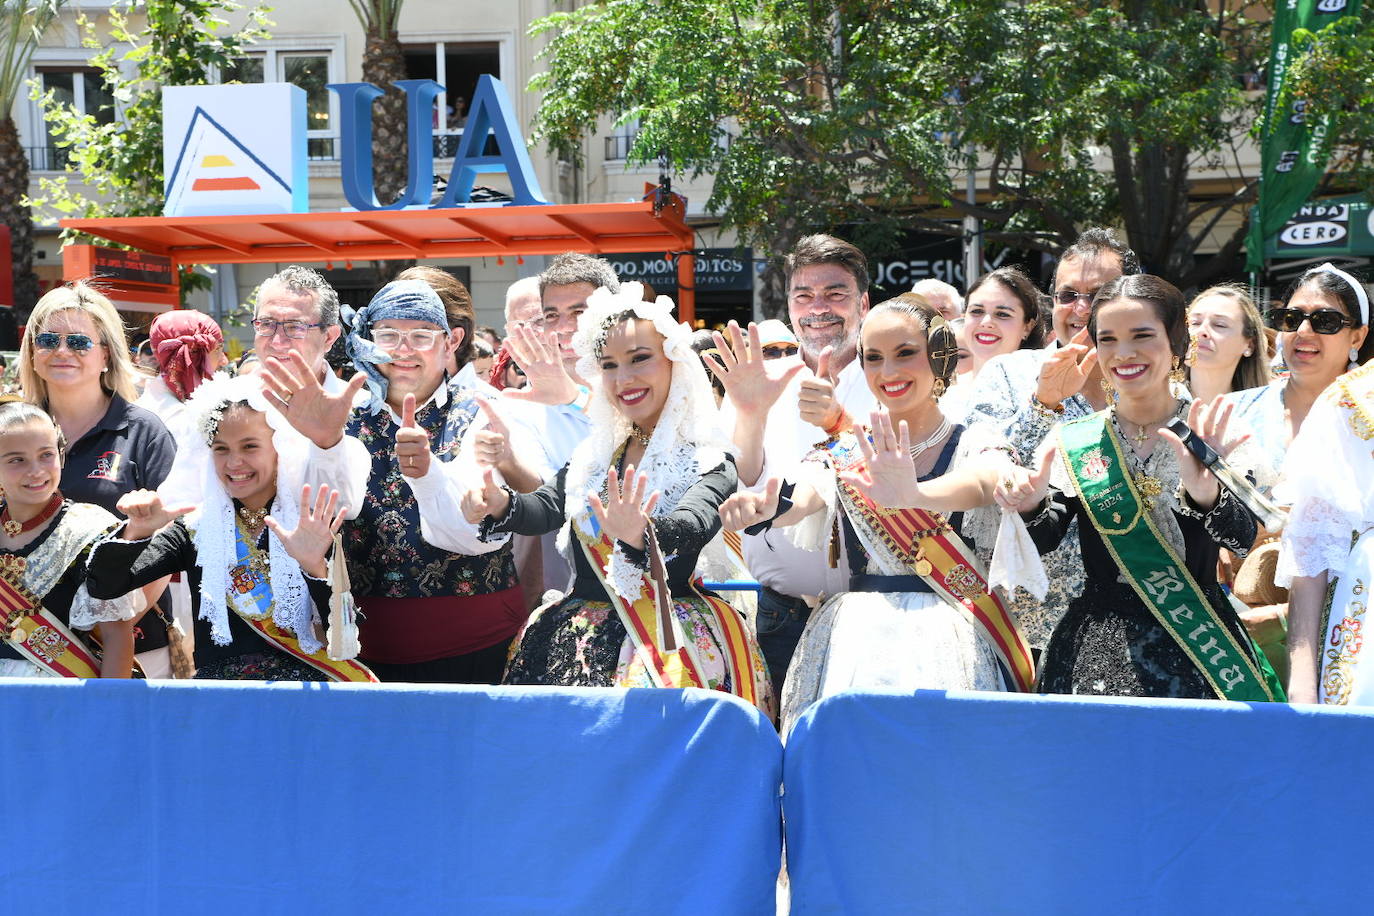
<point x="245" y="459"/>
<point x="30" y="465"/>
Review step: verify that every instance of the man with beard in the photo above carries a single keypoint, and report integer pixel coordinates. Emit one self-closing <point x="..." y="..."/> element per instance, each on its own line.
<point x="1024" y="395"/>
<point x="780" y="408"/>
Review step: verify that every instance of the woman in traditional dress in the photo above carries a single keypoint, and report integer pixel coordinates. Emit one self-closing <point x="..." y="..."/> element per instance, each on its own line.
<point x="262" y="584"/>
<point x="1327" y="552"/>
<point x="918" y="613"/>
<point x="1152" y="619"/>
<point x="44" y="543"/>
<point x="1322" y="333"/>
<point x="652" y="410"/>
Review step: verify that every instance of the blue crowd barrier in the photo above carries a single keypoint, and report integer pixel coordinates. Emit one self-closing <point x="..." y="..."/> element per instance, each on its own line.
<point x="137" y="797"/>
<point x="992" y="803"/>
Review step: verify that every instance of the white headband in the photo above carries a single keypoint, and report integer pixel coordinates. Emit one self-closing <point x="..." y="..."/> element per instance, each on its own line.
<point x="1360" y="294"/>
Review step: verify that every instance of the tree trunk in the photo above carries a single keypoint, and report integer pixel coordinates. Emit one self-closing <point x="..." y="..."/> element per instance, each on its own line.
<point x="14" y="213"/>
<point x="384" y="64"/>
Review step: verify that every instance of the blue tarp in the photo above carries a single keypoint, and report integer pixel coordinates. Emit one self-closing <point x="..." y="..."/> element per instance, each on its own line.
<point x="987" y="803"/>
<point x="124" y="797"/>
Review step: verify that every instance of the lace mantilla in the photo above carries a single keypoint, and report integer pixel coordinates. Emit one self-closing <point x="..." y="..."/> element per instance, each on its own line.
<point x="686" y="443"/>
<point x="213" y="527"/>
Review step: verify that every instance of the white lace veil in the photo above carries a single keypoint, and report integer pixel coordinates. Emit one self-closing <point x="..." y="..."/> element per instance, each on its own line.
<point x="688" y="439"/>
<point x="193" y="479"/>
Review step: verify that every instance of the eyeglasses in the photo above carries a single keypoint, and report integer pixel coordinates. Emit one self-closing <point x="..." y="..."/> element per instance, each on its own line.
<point x="415" y="338"/>
<point x="1068" y="296"/>
<point x="1323" y="321"/>
<point x="778" y="351"/>
<point x="266" y="327"/>
<point x="77" y="343"/>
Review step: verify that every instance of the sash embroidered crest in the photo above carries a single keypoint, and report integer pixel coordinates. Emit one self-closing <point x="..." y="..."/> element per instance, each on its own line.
<point x="250" y="596"/>
<point x="1158" y="576"/>
<point x="35" y="632"/>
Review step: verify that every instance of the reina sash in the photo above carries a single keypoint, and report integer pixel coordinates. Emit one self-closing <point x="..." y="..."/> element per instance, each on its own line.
<point x="1155" y="572"/>
<point x="933" y="551"/>
<point x="249" y="579"/>
<point x="649" y="619"/>
<point x="36" y="632"/>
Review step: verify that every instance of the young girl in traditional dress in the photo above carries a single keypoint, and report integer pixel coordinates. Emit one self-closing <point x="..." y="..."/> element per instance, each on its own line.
<point x="652" y="410"/>
<point x="46" y="615"/>
<point x="919" y="613"/>
<point x="261" y="583"/>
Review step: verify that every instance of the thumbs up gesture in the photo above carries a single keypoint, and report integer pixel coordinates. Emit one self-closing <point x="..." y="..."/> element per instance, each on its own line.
<point x="491" y="444"/>
<point x="146" y="513"/>
<point x="487" y="499"/>
<point x="412" y="442"/>
<point x="817" y="398"/>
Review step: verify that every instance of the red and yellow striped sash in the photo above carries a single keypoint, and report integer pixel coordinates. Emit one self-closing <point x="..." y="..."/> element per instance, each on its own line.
<point x="739" y="661"/>
<point x="938" y="555"/>
<point x="645" y="620"/>
<point x="346" y="670"/>
<point x="37" y="633"/>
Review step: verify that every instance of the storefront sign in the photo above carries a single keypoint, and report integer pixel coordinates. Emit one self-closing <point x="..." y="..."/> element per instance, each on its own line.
<point x="1324" y="228"/>
<point x="717" y="269"/>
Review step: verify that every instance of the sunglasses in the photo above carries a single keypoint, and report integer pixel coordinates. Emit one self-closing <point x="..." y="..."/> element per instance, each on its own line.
<point x="1068" y="296"/>
<point x="1323" y="321"/>
<point x="779" y="351"/>
<point x="77" y="343"/>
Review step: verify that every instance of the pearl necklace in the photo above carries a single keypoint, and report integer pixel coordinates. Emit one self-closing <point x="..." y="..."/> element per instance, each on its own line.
<point x="940" y="432"/>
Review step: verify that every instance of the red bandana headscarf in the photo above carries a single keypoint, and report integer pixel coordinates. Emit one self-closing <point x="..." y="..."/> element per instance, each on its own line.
<point x="182" y="340"/>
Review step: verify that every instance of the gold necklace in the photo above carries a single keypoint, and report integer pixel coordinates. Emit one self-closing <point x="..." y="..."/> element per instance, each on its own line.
<point x="252" y="518"/>
<point x="640" y="435"/>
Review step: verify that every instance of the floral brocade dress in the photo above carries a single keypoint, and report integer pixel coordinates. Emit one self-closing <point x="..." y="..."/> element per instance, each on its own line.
<point x="581" y="641"/>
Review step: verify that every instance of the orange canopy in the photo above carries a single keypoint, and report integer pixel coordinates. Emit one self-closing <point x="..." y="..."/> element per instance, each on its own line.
<point x="378" y="235"/>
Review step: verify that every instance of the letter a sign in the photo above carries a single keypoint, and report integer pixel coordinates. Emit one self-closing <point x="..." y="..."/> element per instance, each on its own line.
<point x="491" y="117"/>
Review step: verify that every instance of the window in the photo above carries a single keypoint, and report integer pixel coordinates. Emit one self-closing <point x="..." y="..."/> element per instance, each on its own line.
<point x="455" y="66"/>
<point x="306" y="69"/>
<point x="84" y="90"/>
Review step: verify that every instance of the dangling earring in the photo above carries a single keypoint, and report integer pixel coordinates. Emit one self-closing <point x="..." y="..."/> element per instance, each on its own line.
<point x="1176" y="374"/>
<point x="1109" y="388"/>
<point x="1354" y="358"/>
<point x="937" y="389"/>
<point x="1191" y="357"/>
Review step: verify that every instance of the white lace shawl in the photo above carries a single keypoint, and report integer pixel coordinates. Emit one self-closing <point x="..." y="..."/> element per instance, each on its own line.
<point x="688" y="440"/>
<point x="213" y="527"/>
<point x="1326" y="480"/>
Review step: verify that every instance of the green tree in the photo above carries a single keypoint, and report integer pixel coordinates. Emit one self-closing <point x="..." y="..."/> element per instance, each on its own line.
<point x="164" y="43"/>
<point x="1336" y="79"/>
<point x="815" y="114"/>
<point x="22" y="24"/>
<point x="384" y="64"/>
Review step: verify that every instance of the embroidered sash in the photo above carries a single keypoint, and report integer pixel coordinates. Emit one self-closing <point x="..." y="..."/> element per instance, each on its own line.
<point x="250" y="596"/>
<point x="1156" y="573"/>
<point x="36" y="632"/>
<point x="931" y="548"/>
<point x="649" y="620"/>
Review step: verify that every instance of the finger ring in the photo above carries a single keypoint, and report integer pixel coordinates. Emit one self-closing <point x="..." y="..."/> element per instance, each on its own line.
<point x="1007" y="484"/>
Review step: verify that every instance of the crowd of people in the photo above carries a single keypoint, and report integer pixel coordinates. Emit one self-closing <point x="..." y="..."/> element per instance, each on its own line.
<point x="1106" y="490"/>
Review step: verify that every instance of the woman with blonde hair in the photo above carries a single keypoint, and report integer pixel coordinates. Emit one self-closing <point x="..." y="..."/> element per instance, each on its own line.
<point x="1228" y="350"/>
<point x="74" y="363"/>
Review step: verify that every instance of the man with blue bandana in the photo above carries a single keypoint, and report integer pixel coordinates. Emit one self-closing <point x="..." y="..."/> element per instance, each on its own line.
<point x="437" y="604"/>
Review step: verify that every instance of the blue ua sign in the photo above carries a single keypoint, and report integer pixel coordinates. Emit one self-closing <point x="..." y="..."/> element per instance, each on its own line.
<point x="491" y="113"/>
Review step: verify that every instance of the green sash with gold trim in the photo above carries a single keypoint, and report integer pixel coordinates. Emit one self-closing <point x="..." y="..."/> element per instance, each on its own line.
<point x="1151" y="566"/>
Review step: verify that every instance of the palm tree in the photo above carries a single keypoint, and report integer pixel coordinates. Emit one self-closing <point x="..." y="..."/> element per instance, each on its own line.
<point x="22" y="24"/>
<point x="383" y="64"/>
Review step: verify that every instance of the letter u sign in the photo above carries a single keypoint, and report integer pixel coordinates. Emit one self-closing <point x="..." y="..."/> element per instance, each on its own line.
<point x="490" y="113"/>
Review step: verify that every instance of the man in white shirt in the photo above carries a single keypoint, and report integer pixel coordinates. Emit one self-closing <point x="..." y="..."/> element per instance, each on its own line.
<point x="298" y="312"/>
<point x="779" y="409"/>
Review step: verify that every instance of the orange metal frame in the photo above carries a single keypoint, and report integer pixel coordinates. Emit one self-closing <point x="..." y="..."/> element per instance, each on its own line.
<point x="379" y="235"/>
